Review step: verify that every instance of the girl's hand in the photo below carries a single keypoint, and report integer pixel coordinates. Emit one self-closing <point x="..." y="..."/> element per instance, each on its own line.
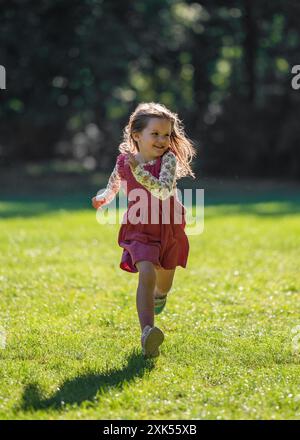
<point x="98" y="203"/>
<point x="131" y="160"/>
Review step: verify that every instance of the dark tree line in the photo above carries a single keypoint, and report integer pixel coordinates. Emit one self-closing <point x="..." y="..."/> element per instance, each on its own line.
<point x="75" y="69"/>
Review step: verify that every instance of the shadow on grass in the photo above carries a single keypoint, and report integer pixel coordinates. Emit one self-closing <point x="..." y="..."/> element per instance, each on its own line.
<point x="259" y="205"/>
<point x="24" y="196"/>
<point x="85" y="388"/>
<point x="30" y="190"/>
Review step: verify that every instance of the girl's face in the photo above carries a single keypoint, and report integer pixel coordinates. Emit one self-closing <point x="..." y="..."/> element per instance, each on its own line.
<point x="154" y="139"/>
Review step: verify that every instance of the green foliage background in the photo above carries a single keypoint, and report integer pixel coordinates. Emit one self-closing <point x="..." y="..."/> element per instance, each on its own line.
<point x="77" y="69"/>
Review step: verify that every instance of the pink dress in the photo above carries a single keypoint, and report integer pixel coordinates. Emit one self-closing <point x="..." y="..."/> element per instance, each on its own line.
<point x="163" y="242"/>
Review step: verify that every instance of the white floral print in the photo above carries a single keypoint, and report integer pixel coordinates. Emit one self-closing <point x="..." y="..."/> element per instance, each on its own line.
<point x="112" y="188"/>
<point x="164" y="186"/>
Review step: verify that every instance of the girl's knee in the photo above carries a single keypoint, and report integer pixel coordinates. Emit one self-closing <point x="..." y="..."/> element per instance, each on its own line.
<point x="146" y="271"/>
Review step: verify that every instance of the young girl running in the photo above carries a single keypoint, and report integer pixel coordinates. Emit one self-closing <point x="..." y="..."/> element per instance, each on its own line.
<point x="154" y="154"/>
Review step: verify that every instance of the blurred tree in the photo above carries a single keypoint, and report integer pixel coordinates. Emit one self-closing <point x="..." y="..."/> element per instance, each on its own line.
<point x="76" y="69"/>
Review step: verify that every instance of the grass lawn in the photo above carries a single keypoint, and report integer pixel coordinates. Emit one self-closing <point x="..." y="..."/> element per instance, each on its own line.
<point x="72" y="334"/>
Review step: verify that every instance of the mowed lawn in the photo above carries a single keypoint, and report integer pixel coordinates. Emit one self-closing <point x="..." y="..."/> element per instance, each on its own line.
<point x="70" y="332"/>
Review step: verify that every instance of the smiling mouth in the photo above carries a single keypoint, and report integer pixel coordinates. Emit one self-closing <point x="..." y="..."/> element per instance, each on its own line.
<point x="160" y="148"/>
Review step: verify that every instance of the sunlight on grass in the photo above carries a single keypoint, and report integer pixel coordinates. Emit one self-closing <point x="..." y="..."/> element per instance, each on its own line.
<point x="72" y="335"/>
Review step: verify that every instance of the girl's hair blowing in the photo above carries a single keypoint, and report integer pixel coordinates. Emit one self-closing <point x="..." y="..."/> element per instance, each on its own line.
<point x="180" y="144"/>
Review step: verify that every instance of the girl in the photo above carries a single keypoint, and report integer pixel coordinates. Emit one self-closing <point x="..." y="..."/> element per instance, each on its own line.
<point x="155" y="152"/>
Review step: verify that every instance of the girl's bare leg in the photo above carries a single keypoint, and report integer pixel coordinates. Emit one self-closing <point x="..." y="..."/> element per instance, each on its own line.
<point x="164" y="281"/>
<point x="144" y="294"/>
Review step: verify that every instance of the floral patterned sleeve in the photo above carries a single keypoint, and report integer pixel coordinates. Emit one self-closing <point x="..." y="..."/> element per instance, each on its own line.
<point x="163" y="187"/>
<point x="112" y="188"/>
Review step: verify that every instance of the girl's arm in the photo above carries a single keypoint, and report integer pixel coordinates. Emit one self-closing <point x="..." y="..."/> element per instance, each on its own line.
<point x="112" y="188"/>
<point x="163" y="186"/>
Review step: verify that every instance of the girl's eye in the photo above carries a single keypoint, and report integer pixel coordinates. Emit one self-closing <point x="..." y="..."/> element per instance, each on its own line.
<point x="167" y="135"/>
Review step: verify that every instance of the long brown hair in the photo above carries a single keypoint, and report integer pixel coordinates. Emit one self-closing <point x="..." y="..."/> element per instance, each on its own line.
<point x="180" y="144"/>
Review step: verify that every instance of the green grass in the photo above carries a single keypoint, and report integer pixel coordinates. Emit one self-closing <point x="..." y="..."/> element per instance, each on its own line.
<point x="72" y="334"/>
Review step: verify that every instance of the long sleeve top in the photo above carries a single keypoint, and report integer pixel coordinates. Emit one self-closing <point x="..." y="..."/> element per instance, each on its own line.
<point x="162" y="187"/>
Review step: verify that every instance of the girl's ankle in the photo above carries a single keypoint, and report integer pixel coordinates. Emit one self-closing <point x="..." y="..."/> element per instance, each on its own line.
<point x="146" y="327"/>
